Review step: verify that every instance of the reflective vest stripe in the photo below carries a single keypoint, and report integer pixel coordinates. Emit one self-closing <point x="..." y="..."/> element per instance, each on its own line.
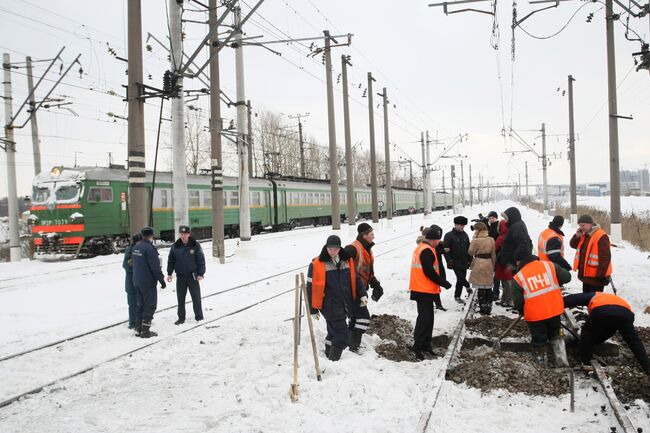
<point x="318" y="282"/>
<point x="418" y="281"/>
<point x="364" y="261"/>
<point x="601" y="299"/>
<point x="542" y="296"/>
<point x="544" y="237"/>
<point x="592" y="261"/>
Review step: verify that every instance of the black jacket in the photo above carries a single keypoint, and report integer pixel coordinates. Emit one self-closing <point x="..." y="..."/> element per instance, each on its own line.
<point x="428" y="260"/>
<point x="146" y="265"/>
<point x="493" y="230"/>
<point x="337" y="302"/>
<point x="352" y="253"/>
<point x="517" y="237"/>
<point x="583" y="299"/>
<point x="554" y="245"/>
<point x="186" y="259"/>
<point x="458" y="244"/>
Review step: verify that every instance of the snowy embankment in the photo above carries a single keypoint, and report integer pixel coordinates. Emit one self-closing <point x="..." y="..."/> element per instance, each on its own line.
<point x="631" y="204"/>
<point x="233" y="375"/>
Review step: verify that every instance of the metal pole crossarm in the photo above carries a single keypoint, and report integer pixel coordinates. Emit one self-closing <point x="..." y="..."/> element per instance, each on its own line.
<point x="444" y="152"/>
<point x="454" y="3"/>
<point x="518" y="22"/>
<point x="223" y="44"/>
<point x="48" y="93"/>
<point x="282" y="41"/>
<point x="57" y="57"/>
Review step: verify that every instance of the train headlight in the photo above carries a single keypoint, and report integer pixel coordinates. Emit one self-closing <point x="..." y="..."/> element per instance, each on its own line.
<point x="77" y="218"/>
<point x="55" y="172"/>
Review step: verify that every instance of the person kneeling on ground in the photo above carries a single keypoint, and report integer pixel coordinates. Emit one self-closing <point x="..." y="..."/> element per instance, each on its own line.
<point x="481" y="275"/>
<point x="427" y="276"/>
<point x="536" y="294"/>
<point x="334" y="289"/>
<point x="608" y="313"/>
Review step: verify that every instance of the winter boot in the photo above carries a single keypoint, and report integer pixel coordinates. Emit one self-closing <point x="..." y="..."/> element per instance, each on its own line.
<point x="355" y="341"/>
<point x="460" y="301"/>
<point x="328" y="347"/>
<point x="179" y="322"/>
<point x="146" y="331"/>
<point x="138" y="329"/>
<point x="539" y="354"/>
<point x="335" y="353"/>
<point x="438" y="302"/>
<point x="559" y="350"/>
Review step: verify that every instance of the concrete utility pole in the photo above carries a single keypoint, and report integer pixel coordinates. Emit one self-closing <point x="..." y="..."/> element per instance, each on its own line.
<point x="544" y="169"/>
<point x="36" y="144"/>
<point x="425" y="169"/>
<point x="373" y="157"/>
<point x="349" y="172"/>
<point x="242" y="148"/>
<point x="572" y="157"/>
<point x="462" y="182"/>
<point x="389" y="181"/>
<point x="10" y="151"/>
<point x="138" y="200"/>
<point x="331" y="121"/>
<point x="444" y="189"/>
<point x="471" y="193"/>
<point x="526" y="163"/>
<point x="616" y="230"/>
<point x="216" y="165"/>
<point x="303" y="172"/>
<point x="179" y="170"/>
<point x="430" y="197"/>
<point x="453" y="187"/>
<point x="249" y="138"/>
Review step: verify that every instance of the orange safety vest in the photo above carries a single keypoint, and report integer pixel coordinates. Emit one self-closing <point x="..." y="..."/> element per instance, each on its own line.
<point x="544" y="237"/>
<point x="318" y="282"/>
<point x="601" y="299"/>
<point x="364" y="261"/>
<point x="591" y="263"/>
<point x="419" y="282"/>
<point x="542" y="296"/>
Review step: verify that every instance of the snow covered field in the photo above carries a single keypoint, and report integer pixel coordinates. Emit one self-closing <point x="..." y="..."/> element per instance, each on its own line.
<point x="637" y="205"/>
<point x="233" y="375"/>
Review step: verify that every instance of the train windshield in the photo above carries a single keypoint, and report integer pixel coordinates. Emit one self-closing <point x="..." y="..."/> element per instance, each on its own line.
<point x="41" y="194"/>
<point x="67" y="193"/>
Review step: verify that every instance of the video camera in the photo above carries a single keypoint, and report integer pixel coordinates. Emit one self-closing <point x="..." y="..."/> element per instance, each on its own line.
<point x="480" y="219"/>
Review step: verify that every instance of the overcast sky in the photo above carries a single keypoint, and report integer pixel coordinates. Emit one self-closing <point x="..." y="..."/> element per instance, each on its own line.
<point x="441" y="74"/>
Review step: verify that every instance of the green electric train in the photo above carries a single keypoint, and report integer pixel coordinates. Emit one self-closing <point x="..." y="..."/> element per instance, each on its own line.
<point x="84" y="210"/>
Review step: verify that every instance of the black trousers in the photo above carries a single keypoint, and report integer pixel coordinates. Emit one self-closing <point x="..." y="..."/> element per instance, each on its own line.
<point x="147" y="298"/>
<point x="423" y="332"/>
<point x="461" y="281"/>
<point x="598" y="329"/>
<point x="544" y="330"/>
<point x="589" y="288"/>
<point x="183" y="283"/>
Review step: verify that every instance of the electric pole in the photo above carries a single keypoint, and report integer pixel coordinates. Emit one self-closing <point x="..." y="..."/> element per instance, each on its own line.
<point x="471" y="193"/>
<point x="527" y="196"/>
<point x="389" y="181"/>
<point x="179" y="170"/>
<point x="216" y="165"/>
<point x="349" y="172"/>
<point x="373" y="157"/>
<point x="249" y="138"/>
<point x="572" y="157"/>
<point x="242" y="148"/>
<point x="138" y="199"/>
<point x="614" y="173"/>
<point x="36" y="145"/>
<point x="331" y="121"/>
<point x="424" y="175"/>
<point x="544" y="169"/>
<point x="462" y="182"/>
<point x="453" y="199"/>
<point x="10" y="150"/>
<point x="301" y="142"/>
<point x="427" y="178"/>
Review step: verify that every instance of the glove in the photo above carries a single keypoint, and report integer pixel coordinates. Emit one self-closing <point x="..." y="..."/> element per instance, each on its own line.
<point x="315" y="316"/>
<point x="447" y="285"/>
<point x="363" y="301"/>
<point x="377" y="292"/>
<point x="163" y="284"/>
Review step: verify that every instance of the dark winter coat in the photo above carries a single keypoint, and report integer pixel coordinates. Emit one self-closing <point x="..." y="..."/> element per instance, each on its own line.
<point x="604" y="257"/>
<point x="501" y="272"/>
<point x="517" y="237"/>
<point x="428" y="260"/>
<point x="186" y="259"/>
<point x="146" y="265"/>
<point x="352" y="253"/>
<point x="583" y="299"/>
<point x="458" y="243"/>
<point x="127" y="264"/>
<point x="337" y="302"/>
<point x="555" y="244"/>
<point x="493" y="230"/>
<point x="563" y="277"/>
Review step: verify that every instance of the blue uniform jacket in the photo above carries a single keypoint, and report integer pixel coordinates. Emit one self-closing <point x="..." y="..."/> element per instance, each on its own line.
<point x="338" y="302"/>
<point x="146" y="265"/>
<point x="127" y="264"/>
<point x="186" y="258"/>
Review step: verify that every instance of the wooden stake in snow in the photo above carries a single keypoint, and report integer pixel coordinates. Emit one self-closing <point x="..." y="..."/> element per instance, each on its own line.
<point x="311" y="326"/>
<point x="296" y="337"/>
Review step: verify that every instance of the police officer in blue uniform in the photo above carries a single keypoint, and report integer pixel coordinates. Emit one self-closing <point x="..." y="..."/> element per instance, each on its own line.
<point x="146" y="273"/>
<point x="187" y="259"/>
<point x="129" y="288"/>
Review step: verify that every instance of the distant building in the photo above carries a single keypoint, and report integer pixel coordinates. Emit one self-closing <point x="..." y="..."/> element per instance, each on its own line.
<point x="644" y="180"/>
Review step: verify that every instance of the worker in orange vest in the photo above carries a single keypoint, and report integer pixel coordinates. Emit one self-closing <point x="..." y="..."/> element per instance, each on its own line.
<point x="364" y="261"/>
<point x="536" y="295"/>
<point x="427" y="276"/>
<point x="333" y="287"/>
<point x="608" y="313"/>
<point x="593" y="259"/>
<point x="550" y="245"/>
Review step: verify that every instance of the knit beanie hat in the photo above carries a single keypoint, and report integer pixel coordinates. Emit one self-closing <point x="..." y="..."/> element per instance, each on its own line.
<point x="586" y="219"/>
<point x="433" y="233"/>
<point x="364" y="228"/>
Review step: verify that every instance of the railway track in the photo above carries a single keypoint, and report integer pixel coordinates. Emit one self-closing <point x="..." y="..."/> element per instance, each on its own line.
<point x="17" y="358"/>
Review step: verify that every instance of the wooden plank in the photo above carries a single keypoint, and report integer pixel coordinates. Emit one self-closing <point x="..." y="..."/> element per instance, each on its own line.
<point x="617" y="407"/>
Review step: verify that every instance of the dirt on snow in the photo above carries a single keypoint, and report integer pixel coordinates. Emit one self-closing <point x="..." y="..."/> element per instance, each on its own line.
<point x="493" y="326"/>
<point x="397" y="338"/>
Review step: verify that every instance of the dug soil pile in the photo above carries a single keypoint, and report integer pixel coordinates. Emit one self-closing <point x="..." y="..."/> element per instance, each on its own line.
<point x="397" y="338"/>
<point x="515" y="372"/>
<point x="493" y="326"/>
<point x="630" y="383"/>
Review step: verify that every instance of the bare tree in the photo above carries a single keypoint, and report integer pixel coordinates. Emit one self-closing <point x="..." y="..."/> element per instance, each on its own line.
<point x="197" y="141"/>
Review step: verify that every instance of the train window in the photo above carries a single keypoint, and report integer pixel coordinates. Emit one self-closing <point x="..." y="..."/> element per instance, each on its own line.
<point x="255" y="198"/>
<point x="303" y="198"/>
<point x="194" y="198"/>
<point x="234" y="198"/>
<point x="96" y="194"/>
<point x="67" y="193"/>
<point x="163" y="198"/>
<point x="321" y="198"/>
<point x="207" y="198"/>
<point x="40" y="194"/>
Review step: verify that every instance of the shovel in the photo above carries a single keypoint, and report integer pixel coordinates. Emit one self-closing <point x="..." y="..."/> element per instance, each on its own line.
<point x="497" y="343"/>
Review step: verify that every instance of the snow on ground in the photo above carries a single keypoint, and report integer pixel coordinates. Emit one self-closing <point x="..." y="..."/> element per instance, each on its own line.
<point x="233" y="375"/>
<point x="631" y="204"/>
